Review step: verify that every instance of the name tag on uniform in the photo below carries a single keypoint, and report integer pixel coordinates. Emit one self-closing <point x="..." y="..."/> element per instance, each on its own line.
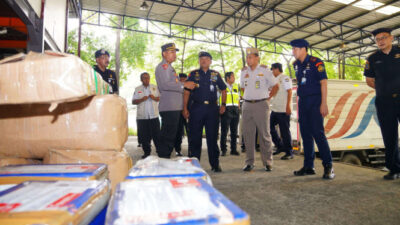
<point x="257" y="84"/>
<point x="260" y="74"/>
<point x="303" y="80"/>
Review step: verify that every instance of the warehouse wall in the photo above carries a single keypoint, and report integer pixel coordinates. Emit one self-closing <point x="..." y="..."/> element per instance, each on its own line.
<point x="54" y="21"/>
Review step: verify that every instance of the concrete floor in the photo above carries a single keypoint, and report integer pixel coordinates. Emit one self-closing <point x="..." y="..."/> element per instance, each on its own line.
<point x="358" y="195"/>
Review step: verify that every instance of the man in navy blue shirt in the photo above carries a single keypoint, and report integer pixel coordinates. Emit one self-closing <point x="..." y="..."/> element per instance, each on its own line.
<point x="313" y="107"/>
<point x="203" y="110"/>
<point x="103" y="60"/>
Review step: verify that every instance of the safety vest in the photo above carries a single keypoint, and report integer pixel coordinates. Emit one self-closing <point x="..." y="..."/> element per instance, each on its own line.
<point x="232" y="96"/>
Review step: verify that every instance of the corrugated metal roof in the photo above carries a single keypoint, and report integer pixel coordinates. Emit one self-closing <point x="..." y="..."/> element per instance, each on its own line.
<point x="324" y="23"/>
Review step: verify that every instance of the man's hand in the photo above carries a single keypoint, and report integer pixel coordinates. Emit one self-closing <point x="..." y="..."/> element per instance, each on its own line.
<point x="144" y="98"/>
<point x="288" y="110"/>
<point x="189" y="85"/>
<point x="152" y="97"/>
<point x="222" y="109"/>
<point x="324" y="110"/>
<point x="185" y="113"/>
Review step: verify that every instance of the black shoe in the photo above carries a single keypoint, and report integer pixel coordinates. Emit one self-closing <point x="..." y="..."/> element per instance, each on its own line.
<point x="276" y="152"/>
<point x="287" y="157"/>
<point x="258" y="149"/>
<point x="235" y="153"/>
<point x="328" y="172"/>
<point x="178" y="154"/>
<point x="144" y="156"/>
<point x="268" y="168"/>
<point x="248" y="168"/>
<point x="391" y="176"/>
<point x="304" y="171"/>
<point x="139" y="145"/>
<point x="243" y="150"/>
<point x="223" y="153"/>
<point x="216" y="169"/>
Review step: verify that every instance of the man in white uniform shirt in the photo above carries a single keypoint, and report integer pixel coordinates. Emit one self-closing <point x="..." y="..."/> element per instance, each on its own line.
<point x="280" y="113"/>
<point x="146" y="97"/>
<point x="259" y="85"/>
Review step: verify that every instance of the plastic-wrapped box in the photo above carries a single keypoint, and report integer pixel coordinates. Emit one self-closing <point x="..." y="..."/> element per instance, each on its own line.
<point x="20" y="173"/>
<point x="155" y="167"/>
<point x="172" y="201"/>
<point x="47" y="77"/>
<point x="118" y="163"/>
<point x="53" y="202"/>
<point x="96" y="123"/>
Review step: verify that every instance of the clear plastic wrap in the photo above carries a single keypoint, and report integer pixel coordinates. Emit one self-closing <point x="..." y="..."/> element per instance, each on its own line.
<point x="96" y="123"/>
<point x="171" y="201"/>
<point x="53" y="202"/>
<point x="47" y="77"/>
<point x="155" y="167"/>
<point x="20" y="173"/>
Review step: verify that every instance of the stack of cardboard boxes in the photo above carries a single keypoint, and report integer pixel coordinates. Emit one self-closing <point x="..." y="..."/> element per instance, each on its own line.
<point x="54" y="107"/>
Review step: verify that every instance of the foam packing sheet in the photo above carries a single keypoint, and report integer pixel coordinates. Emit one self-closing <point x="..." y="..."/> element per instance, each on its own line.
<point x="155" y="167"/>
<point x="19" y="173"/>
<point x="53" y="202"/>
<point x="172" y="201"/>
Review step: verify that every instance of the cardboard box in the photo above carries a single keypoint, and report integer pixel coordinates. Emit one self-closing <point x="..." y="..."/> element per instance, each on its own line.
<point x="18" y="161"/>
<point x="30" y="130"/>
<point x="118" y="163"/>
<point x="53" y="202"/>
<point x="47" y="77"/>
<point x="20" y="173"/>
<point x="172" y="201"/>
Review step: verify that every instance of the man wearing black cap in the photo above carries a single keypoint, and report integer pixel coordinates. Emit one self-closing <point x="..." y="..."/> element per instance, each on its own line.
<point x="103" y="60"/>
<point x="204" y="110"/>
<point x="312" y="92"/>
<point x="171" y="99"/>
<point x="182" y="127"/>
<point x="382" y="72"/>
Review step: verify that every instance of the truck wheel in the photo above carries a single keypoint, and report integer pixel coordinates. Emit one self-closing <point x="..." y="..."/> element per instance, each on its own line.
<point x="351" y="159"/>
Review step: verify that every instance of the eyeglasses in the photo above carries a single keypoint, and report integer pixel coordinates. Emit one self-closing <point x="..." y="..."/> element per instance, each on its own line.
<point x="382" y="38"/>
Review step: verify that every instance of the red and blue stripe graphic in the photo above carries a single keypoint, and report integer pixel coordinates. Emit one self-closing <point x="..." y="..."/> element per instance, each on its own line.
<point x="351" y="116"/>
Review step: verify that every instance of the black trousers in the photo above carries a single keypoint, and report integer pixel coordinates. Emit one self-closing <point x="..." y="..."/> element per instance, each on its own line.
<point x="148" y="129"/>
<point x="204" y="116"/>
<point x="169" y="127"/>
<point x="182" y="127"/>
<point x="229" y="120"/>
<point x="388" y="111"/>
<point x="283" y="121"/>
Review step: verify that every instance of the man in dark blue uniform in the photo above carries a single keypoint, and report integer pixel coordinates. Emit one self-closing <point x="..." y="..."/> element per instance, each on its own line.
<point x="312" y="93"/>
<point x="382" y="72"/>
<point x="103" y="60"/>
<point x="204" y="110"/>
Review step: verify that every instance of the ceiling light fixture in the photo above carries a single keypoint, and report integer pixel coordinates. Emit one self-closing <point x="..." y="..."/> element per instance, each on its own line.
<point x="144" y="6"/>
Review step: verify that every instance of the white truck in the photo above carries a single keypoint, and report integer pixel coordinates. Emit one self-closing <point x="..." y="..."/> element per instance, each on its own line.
<point x="352" y="126"/>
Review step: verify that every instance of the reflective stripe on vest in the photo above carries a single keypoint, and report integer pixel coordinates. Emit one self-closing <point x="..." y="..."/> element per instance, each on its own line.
<point x="232" y="96"/>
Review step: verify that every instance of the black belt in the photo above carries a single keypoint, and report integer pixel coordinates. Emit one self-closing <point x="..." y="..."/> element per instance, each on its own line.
<point x="205" y="102"/>
<point x="255" y="101"/>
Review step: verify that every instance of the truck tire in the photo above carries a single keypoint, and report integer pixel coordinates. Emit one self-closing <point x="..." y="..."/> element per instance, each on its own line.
<point x="351" y="158"/>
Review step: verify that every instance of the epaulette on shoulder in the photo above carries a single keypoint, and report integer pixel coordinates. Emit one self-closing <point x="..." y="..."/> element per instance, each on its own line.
<point x="313" y="59"/>
<point x="264" y="66"/>
<point x="244" y="68"/>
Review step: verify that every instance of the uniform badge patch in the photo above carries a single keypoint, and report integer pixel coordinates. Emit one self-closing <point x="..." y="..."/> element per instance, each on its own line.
<point x="366" y="65"/>
<point x="264" y="66"/>
<point x="321" y="68"/>
<point x="287" y="80"/>
<point x="246" y="76"/>
<point x="260" y="74"/>
<point x="397" y="56"/>
<point x="165" y="66"/>
<point x="313" y="59"/>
